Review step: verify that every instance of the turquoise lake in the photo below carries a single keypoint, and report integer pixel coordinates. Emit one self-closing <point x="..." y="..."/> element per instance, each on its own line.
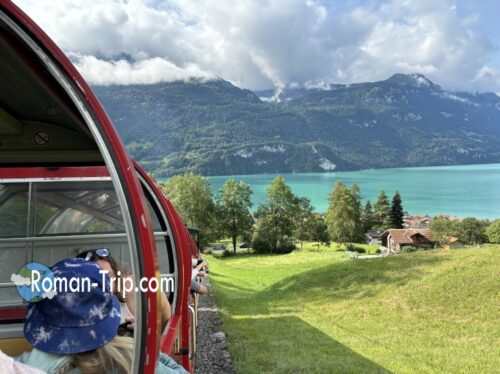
<point x="462" y="191"/>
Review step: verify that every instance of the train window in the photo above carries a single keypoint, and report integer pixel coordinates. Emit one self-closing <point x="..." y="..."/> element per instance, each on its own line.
<point x="47" y="221"/>
<point x="165" y="250"/>
<point x="154" y="213"/>
<point x="14" y="204"/>
<point x="76" y="208"/>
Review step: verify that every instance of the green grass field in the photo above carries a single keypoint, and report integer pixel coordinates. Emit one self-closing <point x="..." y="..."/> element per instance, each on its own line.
<point x="309" y="246"/>
<point x="317" y="311"/>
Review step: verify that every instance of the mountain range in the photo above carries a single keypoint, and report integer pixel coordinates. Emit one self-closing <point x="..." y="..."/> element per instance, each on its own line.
<point x="215" y="128"/>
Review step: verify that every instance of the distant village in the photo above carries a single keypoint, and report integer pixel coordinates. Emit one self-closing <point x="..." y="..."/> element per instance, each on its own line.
<point x="415" y="233"/>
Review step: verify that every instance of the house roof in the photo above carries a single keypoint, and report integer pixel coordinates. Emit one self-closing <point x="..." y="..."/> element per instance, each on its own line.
<point x="374" y="234"/>
<point x="406" y="236"/>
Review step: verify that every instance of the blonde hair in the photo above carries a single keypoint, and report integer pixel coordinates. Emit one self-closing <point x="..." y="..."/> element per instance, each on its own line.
<point x="113" y="357"/>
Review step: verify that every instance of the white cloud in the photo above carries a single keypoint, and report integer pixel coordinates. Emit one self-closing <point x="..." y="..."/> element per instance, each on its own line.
<point x="49" y="294"/>
<point x="19" y="280"/>
<point x="261" y="43"/>
<point x="152" y="70"/>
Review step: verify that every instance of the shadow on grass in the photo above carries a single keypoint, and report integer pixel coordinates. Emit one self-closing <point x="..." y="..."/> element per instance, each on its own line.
<point x="264" y="343"/>
<point x="271" y="345"/>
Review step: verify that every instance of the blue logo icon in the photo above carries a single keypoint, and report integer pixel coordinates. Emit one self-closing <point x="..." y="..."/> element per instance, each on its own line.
<point x="34" y="282"/>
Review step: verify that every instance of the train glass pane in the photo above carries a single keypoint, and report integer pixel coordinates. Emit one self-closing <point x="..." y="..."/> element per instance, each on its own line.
<point x="76" y="207"/>
<point x="14" y="202"/>
<point x="70" y="217"/>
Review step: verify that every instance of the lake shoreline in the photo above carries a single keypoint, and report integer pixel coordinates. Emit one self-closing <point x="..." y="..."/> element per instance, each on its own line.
<point x="454" y="190"/>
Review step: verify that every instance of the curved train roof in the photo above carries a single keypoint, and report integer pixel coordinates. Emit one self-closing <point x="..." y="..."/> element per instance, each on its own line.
<point x="39" y="122"/>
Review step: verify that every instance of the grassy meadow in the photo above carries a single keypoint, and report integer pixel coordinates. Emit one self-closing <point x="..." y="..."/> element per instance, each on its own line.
<point x="317" y="311"/>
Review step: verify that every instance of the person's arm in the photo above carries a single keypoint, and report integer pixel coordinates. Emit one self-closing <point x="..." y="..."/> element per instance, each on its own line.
<point x="166" y="311"/>
<point x="130" y="301"/>
<point x="45" y="362"/>
<point x="198" y="268"/>
<point x="167" y="365"/>
<point x="203" y="289"/>
<point x="197" y="287"/>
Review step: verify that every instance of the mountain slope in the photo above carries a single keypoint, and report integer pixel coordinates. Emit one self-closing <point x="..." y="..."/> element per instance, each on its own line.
<point x="215" y="128"/>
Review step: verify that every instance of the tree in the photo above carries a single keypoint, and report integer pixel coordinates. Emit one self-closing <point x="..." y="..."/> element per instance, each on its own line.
<point x="472" y="231"/>
<point x="303" y="218"/>
<point x="367" y="216"/>
<point x="359" y="233"/>
<point x="233" y="206"/>
<point x="493" y="231"/>
<point x="192" y="198"/>
<point x="309" y="226"/>
<point x="442" y="230"/>
<point x="317" y="230"/>
<point x="276" y="219"/>
<point x="343" y="217"/>
<point x="397" y="211"/>
<point x="382" y="212"/>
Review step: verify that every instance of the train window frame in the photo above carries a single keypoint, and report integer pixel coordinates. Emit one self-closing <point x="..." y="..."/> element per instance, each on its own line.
<point x="157" y="209"/>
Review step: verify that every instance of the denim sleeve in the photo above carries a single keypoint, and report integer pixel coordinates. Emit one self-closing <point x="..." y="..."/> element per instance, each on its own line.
<point x="167" y="365"/>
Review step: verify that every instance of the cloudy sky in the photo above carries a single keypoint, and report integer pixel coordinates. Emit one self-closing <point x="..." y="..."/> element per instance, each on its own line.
<point x="260" y="44"/>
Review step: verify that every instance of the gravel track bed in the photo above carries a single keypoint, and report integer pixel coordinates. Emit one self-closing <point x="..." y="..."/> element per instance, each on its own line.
<point x="212" y="356"/>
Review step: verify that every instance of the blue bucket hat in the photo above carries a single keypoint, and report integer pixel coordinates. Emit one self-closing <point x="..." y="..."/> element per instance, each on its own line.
<point x="74" y="322"/>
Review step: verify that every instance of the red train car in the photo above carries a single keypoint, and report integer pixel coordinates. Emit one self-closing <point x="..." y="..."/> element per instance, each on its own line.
<point x="67" y="182"/>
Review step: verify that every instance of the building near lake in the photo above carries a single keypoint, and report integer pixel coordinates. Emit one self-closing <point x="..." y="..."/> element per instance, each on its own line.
<point x="416" y="222"/>
<point x="395" y="239"/>
<point x="373" y="237"/>
<point x="454" y="243"/>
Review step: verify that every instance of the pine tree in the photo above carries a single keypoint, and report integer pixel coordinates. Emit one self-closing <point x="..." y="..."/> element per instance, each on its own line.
<point x="382" y="212"/>
<point x="397" y="211"/>
<point x="367" y="216"/>
<point x="358" y="233"/>
<point x="304" y="218"/>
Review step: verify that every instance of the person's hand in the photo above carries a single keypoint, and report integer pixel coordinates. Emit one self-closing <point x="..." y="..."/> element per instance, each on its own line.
<point x="201" y="274"/>
<point x="202" y="264"/>
<point x="130" y="323"/>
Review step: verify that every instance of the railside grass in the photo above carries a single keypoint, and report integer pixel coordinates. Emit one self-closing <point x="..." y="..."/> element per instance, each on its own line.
<point x="317" y="311"/>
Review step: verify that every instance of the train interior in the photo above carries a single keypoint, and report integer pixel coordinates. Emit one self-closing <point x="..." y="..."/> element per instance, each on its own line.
<point x="45" y="219"/>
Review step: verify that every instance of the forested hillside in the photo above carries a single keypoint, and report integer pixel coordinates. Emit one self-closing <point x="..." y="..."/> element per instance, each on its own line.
<point x="215" y="128"/>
